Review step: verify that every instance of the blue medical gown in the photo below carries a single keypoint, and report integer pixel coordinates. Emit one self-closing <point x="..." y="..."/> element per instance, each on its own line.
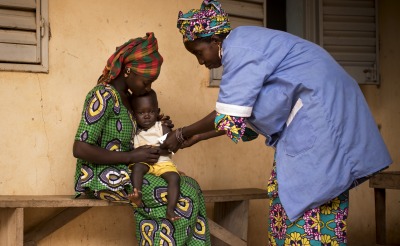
<point x="308" y="107"/>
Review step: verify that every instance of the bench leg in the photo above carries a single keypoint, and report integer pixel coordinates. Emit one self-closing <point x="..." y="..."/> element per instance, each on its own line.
<point x="11" y="226"/>
<point x="232" y="216"/>
<point x="47" y="227"/>
<point x="380" y="216"/>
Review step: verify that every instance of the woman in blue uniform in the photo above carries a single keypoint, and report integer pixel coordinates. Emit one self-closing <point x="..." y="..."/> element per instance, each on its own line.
<point x="304" y="103"/>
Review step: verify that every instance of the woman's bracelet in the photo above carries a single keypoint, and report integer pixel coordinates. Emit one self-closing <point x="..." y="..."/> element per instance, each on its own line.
<point x="179" y="135"/>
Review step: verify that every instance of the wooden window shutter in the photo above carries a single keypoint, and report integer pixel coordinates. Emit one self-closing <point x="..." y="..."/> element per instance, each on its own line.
<point x="241" y="13"/>
<point x="348" y="30"/>
<point x="24" y="35"/>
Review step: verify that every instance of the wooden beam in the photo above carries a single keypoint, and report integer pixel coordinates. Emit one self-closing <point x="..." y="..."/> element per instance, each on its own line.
<point x="51" y="201"/>
<point x="58" y="201"/>
<point x="380" y="216"/>
<point x="225" y="235"/>
<point x="385" y="180"/>
<point x="234" y="195"/>
<point x="47" y="227"/>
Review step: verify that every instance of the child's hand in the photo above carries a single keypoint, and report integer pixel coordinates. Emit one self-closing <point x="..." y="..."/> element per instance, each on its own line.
<point x="164" y="152"/>
<point x="165" y="119"/>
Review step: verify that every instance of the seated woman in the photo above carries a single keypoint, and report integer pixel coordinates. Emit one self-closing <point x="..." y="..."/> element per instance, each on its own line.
<point x="104" y="149"/>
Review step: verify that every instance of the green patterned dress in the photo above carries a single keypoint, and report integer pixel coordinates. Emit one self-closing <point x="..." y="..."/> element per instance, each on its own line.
<point x="107" y="123"/>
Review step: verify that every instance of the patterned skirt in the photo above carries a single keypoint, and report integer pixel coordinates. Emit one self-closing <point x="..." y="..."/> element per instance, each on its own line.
<point x="152" y="228"/>
<point x="325" y="225"/>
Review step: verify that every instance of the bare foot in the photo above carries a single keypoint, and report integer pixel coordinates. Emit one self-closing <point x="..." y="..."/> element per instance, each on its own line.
<point x="136" y="197"/>
<point x="172" y="216"/>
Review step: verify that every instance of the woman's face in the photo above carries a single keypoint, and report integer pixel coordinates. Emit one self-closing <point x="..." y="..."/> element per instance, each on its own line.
<point x="205" y="52"/>
<point x="137" y="84"/>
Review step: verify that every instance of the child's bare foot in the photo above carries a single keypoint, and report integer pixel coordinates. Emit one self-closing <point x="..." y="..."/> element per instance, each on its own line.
<point x="136" y="197"/>
<point x="172" y="216"/>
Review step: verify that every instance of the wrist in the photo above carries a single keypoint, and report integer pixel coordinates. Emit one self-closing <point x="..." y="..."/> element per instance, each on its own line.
<point x="183" y="133"/>
<point x="179" y="135"/>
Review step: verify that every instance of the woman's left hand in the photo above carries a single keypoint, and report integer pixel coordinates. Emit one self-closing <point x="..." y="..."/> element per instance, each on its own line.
<point x="166" y="121"/>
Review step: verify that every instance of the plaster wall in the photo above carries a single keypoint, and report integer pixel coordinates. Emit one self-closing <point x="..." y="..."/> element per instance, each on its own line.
<point x="41" y="113"/>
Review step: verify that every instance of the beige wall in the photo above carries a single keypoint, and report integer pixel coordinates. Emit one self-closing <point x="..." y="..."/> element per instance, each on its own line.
<point x="41" y="113"/>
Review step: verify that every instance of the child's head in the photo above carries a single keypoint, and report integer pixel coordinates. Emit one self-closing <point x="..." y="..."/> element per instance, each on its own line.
<point x="145" y="109"/>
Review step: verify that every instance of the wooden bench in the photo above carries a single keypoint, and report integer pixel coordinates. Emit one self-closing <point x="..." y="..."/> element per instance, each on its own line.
<point x="229" y="224"/>
<point x="380" y="182"/>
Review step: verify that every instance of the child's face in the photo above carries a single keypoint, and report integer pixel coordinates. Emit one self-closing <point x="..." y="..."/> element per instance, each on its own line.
<point x="146" y="112"/>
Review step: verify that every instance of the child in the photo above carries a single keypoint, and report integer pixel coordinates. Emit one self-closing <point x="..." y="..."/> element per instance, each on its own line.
<point x="146" y="111"/>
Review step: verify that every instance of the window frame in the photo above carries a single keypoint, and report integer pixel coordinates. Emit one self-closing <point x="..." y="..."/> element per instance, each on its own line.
<point x="42" y="38"/>
<point x="311" y="27"/>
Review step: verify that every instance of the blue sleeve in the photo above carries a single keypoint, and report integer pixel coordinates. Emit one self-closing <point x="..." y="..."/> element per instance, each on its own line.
<point x="245" y="71"/>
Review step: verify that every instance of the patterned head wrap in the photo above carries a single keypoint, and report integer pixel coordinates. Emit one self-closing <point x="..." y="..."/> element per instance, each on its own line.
<point x="140" y="55"/>
<point x="208" y="20"/>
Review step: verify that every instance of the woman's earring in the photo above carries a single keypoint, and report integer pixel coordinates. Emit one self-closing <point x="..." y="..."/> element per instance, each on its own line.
<point x="219" y="51"/>
<point x="127" y="72"/>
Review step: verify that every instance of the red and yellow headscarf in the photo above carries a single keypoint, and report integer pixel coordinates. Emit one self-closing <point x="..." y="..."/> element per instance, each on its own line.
<point x="140" y="55"/>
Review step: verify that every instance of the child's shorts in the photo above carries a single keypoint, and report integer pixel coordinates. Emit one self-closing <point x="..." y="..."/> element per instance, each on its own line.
<point x="160" y="168"/>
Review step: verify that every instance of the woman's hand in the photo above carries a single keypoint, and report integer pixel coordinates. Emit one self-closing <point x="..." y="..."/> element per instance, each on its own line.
<point x="146" y="153"/>
<point x="171" y="143"/>
<point x="166" y="121"/>
<point x="191" y="141"/>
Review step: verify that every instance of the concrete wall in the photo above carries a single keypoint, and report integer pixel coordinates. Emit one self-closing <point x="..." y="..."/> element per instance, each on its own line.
<point x="41" y="114"/>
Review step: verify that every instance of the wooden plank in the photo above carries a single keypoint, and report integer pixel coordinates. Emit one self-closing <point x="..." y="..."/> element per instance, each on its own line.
<point x="348" y="26"/>
<point x="385" y="180"/>
<point x="17" y="37"/>
<point x="18" y="53"/>
<point x="20" y="4"/>
<point x="17" y="19"/>
<point x="47" y="227"/>
<point x="358" y="41"/>
<point x="224" y="235"/>
<point x="57" y="201"/>
<point x="11" y="226"/>
<point x="37" y="68"/>
<point x="234" y="194"/>
<point x="349" y="3"/>
<point x="349" y="11"/>
<point x="243" y="9"/>
<point x="351" y="57"/>
<point x="238" y="21"/>
<point x="52" y="201"/>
